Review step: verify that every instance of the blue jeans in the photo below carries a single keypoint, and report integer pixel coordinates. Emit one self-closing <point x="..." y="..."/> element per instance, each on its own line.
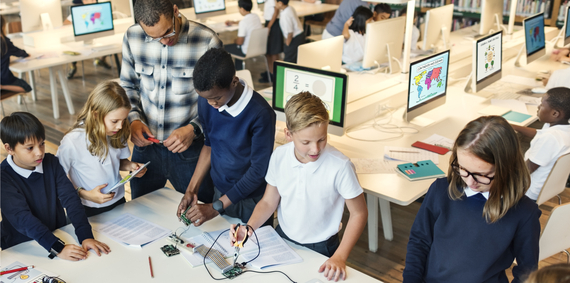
<point x="164" y="165"/>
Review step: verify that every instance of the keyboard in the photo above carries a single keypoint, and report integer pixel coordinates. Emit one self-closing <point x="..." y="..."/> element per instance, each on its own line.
<point x="506" y="95"/>
<point x="98" y="48"/>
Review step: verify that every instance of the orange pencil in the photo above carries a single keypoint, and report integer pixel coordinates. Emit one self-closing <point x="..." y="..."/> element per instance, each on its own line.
<point x="150" y="265"/>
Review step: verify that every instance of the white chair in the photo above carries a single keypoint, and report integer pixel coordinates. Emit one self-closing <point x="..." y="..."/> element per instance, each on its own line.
<point x="246" y="76"/>
<point x="257" y="47"/>
<point x="556" y="181"/>
<point x="555" y="237"/>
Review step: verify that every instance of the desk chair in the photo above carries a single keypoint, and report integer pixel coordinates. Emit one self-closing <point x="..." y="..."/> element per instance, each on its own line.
<point x="246" y="76"/>
<point x="555" y="237"/>
<point x="257" y="47"/>
<point x="5" y="94"/>
<point x="556" y="181"/>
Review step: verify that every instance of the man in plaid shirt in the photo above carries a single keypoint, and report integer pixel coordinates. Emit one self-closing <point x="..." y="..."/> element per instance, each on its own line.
<point x="159" y="54"/>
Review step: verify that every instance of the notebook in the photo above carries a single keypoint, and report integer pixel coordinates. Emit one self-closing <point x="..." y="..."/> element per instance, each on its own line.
<point x="419" y="171"/>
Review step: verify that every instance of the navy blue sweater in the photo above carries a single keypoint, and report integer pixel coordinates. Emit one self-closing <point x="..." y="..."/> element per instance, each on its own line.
<point x="241" y="146"/>
<point x="32" y="208"/>
<point x="450" y="240"/>
<point x="11" y="50"/>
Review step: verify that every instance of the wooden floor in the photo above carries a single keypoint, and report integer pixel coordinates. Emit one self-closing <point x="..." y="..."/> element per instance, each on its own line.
<point x="386" y="264"/>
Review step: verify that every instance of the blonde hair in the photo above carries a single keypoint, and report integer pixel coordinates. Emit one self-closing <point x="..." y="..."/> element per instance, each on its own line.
<point x="106" y="97"/>
<point x="304" y="110"/>
<point x="556" y="273"/>
<point x="494" y="141"/>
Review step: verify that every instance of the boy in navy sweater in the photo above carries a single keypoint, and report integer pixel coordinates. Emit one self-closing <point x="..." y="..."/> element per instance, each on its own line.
<point x="35" y="190"/>
<point x="239" y="129"/>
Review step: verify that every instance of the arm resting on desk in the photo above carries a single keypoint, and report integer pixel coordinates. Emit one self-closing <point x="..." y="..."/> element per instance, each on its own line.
<point x="525" y="131"/>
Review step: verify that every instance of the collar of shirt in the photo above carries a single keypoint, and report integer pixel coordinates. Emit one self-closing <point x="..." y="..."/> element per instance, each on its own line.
<point x="242" y="102"/>
<point x="24" y="172"/>
<point x="469" y="193"/>
<point x="294" y="162"/>
<point x="182" y="32"/>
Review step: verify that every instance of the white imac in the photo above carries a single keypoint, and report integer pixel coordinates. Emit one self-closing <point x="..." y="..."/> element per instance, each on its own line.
<point x="491" y="16"/>
<point x="323" y="54"/>
<point x="31" y="13"/>
<point x="567" y="26"/>
<point x="535" y="43"/>
<point x="487" y="61"/>
<point x="427" y="86"/>
<point x="331" y="87"/>
<point x="92" y="21"/>
<point x="209" y="8"/>
<point x="438" y="25"/>
<point x="383" y="42"/>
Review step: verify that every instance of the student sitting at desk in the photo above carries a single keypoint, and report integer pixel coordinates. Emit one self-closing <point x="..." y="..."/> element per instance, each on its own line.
<point x="353" y="32"/>
<point x="309" y="182"/>
<point x="249" y="23"/>
<point x="292" y="30"/>
<point x="473" y="224"/>
<point x="94" y="150"/>
<point x="35" y="190"/>
<point x="382" y="11"/>
<point x="344" y="11"/>
<point x="7" y="48"/>
<point x="548" y="144"/>
<point x="239" y="129"/>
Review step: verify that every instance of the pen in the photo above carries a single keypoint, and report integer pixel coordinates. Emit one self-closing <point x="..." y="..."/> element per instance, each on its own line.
<point x="150" y="265"/>
<point x="17" y="269"/>
<point x="404" y="151"/>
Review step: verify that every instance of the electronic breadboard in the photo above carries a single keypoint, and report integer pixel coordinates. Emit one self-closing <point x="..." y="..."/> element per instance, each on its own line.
<point x="215" y="256"/>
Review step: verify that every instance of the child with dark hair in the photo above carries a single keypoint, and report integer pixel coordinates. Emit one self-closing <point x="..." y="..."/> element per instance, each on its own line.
<point x="382" y="11"/>
<point x="248" y="24"/>
<point x="353" y="32"/>
<point x="35" y="191"/>
<point x="239" y="129"/>
<point x="549" y="143"/>
<point x="7" y="48"/>
<point x="292" y="30"/>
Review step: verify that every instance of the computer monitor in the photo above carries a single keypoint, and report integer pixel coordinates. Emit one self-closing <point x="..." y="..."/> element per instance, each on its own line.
<point x="209" y="8"/>
<point x="487" y="61"/>
<point x="323" y="54"/>
<point x="31" y="13"/>
<point x="428" y="84"/>
<point x="378" y="36"/>
<point x="331" y="87"/>
<point x="567" y="26"/>
<point x="491" y="16"/>
<point x="92" y="21"/>
<point x="535" y="43"/>
<point x="437" y="25"/>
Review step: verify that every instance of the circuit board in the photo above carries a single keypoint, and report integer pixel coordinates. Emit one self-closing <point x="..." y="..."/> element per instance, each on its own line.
<point x="234" y="271"/>
<point x="170" y="250"/>
<point x="183" y="217"/>
<point x="228" y="270"/>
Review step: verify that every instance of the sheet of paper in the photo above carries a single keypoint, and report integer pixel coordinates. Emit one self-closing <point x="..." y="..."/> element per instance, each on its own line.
<point x="512" y="104"/>
<point x="33" y="275"/>
<point x="222" y="245"/>
<point x="409" y="154"/>
<point x="530" y="99"/>
<point x="131" y="230"/>
<point x="274" y="250"/>
<point x="438" y="140"/>
<point x="519" y="80"/>
<point x="373" y="165"/>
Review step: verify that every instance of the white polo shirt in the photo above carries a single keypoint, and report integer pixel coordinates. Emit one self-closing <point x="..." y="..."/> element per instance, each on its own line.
<point x="289" y="22"/>
<point x="249" y="23"/>
<point x="312" y="194"/>
<point x="242" y="102"/>
<point x="269" y="9"/>
<point x="559" y="78"/>
<point x="87" y="171"/>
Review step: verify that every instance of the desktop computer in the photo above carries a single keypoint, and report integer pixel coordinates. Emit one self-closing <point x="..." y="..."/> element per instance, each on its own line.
<point x="438" y="25"/>
<point x="427" y="87"/>
<point x="323" y="54"/>
<point x="331" y="87"/>
<point x="38" y="15"/>
<point x="383" y="42"/>
<point x="567" y="26"/>
<point x="209" y="8"/>
<point x="92" y="21"/>
<point x="534" y="39"/>
<point x="487" y="61"/>
<point x="491" y="16"/>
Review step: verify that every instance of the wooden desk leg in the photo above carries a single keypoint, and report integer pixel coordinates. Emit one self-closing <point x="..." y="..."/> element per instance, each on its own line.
<point x="53" y="87"/>
<point x="372" y="204"/>
<point x="33" y="85"/>
<point x="66" y="94"/>
<point x="386" y="219"/>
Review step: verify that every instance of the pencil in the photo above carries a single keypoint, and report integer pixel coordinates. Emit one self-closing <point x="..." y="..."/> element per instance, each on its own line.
<point x="150" y="265"/>
<point x="404" y="151"/>
<point x="17" y="269"/>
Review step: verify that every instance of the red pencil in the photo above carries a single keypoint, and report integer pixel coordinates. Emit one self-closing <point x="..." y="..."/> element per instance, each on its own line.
<point x="17" y="269"/>
<point x="150" y="265"/>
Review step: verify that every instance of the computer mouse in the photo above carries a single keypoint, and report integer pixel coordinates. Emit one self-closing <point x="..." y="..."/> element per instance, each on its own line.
<point x="538" y="90"/>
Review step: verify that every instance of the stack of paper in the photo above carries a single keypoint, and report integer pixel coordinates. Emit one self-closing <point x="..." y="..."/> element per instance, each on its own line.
<point x="409" y="154"/>
<point x="131" y="230"/>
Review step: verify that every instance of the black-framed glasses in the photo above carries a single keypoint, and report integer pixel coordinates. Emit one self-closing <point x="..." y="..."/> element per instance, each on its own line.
<point x="481" y="179"/>
<point x="173" y="33"/>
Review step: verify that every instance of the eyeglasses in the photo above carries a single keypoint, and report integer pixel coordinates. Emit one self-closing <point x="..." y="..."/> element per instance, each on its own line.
<point x="481" y="179"/>
<point x="173" y="33"/>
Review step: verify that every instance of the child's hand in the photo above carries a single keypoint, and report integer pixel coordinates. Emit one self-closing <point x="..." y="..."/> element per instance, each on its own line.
<point x="73" y="253"/>
<point x="134" y="166"/>
<point x="95" y="245"/>
<point x="241" y="233"/>
<point x="334" y="268"/>
<point x="95" y="195"/>
<point x="187" y="200"/>
<point x="349" y="22"/>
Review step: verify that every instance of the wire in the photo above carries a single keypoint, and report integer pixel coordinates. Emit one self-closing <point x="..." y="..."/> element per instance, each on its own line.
<point x="258" y="246"/>
<point x="385" y="127"/>
<point x="206" y="255"/>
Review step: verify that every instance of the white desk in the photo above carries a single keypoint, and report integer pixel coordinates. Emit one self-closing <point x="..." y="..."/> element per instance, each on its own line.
<point x="127" y="264"/>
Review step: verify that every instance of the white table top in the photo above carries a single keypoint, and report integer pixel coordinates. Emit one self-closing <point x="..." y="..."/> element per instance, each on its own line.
<point x="127" y="264"/>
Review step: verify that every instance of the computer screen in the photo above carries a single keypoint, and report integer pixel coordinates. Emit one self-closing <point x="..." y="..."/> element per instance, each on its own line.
<point x="92" y="19"/>
<point x="323" y="54"/>
<point x="488" y="59"/>
<point x="438" y="25"/>
<point x="428" y="84"/>
<point x="331" y="87"/>
<point x="208" y="8"/>
<point x="377" y="38"/>
<point x="31" y="10"/>
<point x="490" y="8"/>
<point x="534" y="37"/>
<point x="567" y="26"/>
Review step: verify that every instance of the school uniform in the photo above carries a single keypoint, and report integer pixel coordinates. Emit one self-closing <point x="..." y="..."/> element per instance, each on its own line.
<point x="275" y="37"/>
<point x="559" y="78"/>
<point x="546" y="147"/>
<point x="7" y="78"/>
<point x="312" y="195"/>
<point x="88" y="171"/>
<point x="353" y="49"/>
<point x="290" y="23"/>
<point x="247" y="25"/>
<point x="342" y="14"/>
<point x="451" y="241"/>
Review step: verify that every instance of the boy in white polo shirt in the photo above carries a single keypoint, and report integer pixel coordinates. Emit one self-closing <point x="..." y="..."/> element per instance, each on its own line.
<point x="308" y="182"/>
<point x="292" y="30"/>
<point x="249" y="23"/>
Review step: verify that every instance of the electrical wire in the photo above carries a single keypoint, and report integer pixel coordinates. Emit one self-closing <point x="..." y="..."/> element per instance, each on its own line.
<point x="385" y="127"/>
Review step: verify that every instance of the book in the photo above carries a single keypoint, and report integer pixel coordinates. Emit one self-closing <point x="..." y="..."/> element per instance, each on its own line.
<point x="127" y="178"/>
<point x="419" y="171"/>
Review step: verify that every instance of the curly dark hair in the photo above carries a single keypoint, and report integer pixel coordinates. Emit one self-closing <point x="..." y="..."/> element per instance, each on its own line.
<point x="148" y="12"/>
<point x="215" y="68"/>
<point x="559" y="99"/>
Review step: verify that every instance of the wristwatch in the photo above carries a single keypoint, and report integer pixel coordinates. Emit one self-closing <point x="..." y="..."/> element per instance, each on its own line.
<point x="56" y="248"/>
<point x="197" y="130"/>
<point x="218" y="205"/>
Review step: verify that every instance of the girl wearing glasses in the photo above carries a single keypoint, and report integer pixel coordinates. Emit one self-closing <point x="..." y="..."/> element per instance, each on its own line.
<point x="473" y="224"/>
